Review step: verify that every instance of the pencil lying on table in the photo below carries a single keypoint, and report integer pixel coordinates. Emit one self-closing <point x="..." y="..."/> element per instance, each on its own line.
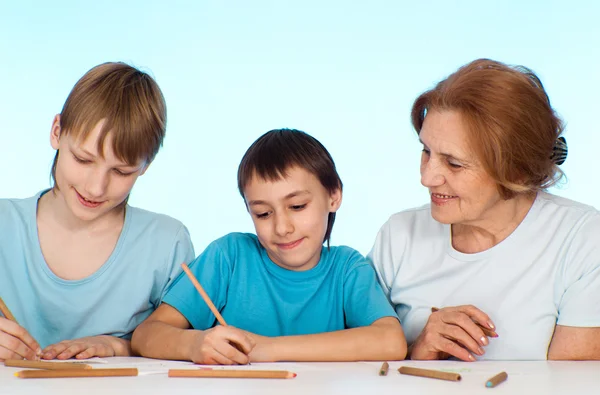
<point x="230" y="373"/>
<point x="432" y="374"/>
<point x="383" y="371"/>
<point x="6" y="312"/>
<point x="497" y="379"/>
<point x="47" y="365"/>
<point x="486" y="331"/>
<point x="47" y="374"/>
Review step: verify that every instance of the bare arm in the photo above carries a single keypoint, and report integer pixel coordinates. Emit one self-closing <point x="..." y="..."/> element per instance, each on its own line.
<point x="166" y="335"/>
<point x="382" y="340"/>
<point x="575" y="343"/>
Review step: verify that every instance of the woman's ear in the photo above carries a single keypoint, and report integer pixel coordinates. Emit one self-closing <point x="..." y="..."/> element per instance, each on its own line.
<point x="335" y="200"/>
<point x="55" y="132"/>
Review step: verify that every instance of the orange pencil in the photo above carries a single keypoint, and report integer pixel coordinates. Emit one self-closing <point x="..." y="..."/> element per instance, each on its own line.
<point x="497" y="379"/>
<point x="46" y="374"/>
<point x="47" y="365"/>
<point x="6" y="312"/>
<point x="432" y="374"/>
<point x="204" y="295"/>
<point x="234" y="374"/>
<point x="383" y="371"/>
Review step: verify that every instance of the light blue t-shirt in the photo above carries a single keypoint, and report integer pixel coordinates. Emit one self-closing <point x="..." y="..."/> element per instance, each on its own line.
<point x="254" y="294"/>
<point x="111" y="301"/>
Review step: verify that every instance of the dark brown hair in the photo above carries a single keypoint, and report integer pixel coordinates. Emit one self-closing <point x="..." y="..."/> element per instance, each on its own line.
<point x="131" y="104"/>
<point x="511" y="126"/>
<point x="278" y="150"/>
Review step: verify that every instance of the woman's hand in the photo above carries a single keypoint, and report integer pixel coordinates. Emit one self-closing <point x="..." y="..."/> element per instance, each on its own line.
<point x="16" y="342"/>
<point x="222" y="345"/>
<point x="459" y="331"/>
<point x="88" y="347"/>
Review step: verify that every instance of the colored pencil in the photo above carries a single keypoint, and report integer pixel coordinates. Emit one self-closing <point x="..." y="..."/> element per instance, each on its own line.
<point x="63" y="373"/>
<point x="432" y="374"/>
<point x="204" y="295"/>
<point x="6" y="312"/>
<point x="497" y="379"/>
<point x="486" y="331"/>
<point x="230" y="373"/>
<point x="47" y="365"/>
<point x="384" y="369"/>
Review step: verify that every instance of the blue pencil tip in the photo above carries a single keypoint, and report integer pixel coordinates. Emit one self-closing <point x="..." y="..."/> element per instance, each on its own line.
<point x="488" y="384"/>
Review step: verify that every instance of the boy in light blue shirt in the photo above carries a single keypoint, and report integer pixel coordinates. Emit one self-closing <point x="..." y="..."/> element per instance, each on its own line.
<point x="284" y="296"/>
<point x="79" y="267"/>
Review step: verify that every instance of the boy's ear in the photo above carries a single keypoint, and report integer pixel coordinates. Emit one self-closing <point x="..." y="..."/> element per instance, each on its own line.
<point x="335" y="200"/>
<point x="55" y="132"/>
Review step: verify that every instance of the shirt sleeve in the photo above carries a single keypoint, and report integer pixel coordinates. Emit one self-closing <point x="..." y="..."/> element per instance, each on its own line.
<point x="381" y="259"/>
<point x="580" y="302"/>
<point x="183" y="251"/>
<point x="364" y="300"/>
<point x="213" y="271"/>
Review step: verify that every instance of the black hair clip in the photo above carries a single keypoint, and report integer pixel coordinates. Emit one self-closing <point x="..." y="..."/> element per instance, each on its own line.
<point x="560" y="150"/>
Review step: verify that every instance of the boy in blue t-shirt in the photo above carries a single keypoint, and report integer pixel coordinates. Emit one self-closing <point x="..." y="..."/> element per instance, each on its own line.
<point x="284" y="296"/>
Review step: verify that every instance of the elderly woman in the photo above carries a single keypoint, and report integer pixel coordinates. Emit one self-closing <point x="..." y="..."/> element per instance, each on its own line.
<point x="494" y="267"/>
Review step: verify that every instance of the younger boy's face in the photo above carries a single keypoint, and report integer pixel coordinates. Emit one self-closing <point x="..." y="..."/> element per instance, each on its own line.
<point x="290" y="217"/>
<point x="91" y="185"/>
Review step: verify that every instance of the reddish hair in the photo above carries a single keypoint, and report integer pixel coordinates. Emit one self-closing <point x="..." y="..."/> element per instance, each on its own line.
<point x="511" y="126"/>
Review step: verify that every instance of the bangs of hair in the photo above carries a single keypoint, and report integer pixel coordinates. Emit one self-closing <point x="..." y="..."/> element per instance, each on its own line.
<point x="272" y="154"/>
<point x="128" y="101"/>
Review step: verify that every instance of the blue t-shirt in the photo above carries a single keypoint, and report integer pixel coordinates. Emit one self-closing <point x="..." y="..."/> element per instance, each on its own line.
<point x="113" y="300"/>
<point x="255" y="294"/>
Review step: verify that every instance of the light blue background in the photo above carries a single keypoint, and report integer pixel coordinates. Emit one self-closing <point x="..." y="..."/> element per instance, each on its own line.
<point x="345" y="72"/>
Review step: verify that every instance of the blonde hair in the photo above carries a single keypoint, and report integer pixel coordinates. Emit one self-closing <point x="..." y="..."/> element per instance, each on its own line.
<point x="130" y="103"/>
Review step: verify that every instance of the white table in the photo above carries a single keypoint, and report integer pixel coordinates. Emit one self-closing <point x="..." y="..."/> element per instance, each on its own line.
<point x="323" y="378"/>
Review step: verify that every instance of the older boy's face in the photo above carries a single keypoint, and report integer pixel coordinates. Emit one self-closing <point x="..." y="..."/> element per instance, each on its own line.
<point x="91" y="185"/>
<point x="290" y="217"/>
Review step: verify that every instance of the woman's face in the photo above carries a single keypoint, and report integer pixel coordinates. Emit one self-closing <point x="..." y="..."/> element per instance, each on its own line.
<point x="461" y="191"/>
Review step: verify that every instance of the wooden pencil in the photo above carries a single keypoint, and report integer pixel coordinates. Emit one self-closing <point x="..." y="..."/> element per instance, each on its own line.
<point x="47" y="365"/>
<point x="486" y="331"/>
<point x="383" y="371"/>
<point x="204" y="295"/>
<point x="432" y="374"/>
<point x="63" y="373"/>
<point x="497" y="379"/>
<point x="230" y="373"/>
<point x="6" y="312"/>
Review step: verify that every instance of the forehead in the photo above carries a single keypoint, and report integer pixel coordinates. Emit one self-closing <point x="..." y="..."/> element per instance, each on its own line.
<point x="295" y="179"/>
<point x="93" y="142"/>
<point x="445" y="132"/>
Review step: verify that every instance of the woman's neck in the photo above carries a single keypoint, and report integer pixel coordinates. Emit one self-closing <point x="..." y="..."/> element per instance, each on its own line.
<point x="496" y="225"/>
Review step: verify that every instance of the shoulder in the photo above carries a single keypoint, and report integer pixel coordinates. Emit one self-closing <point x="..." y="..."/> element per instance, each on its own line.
<point x="567" y="214"/>
<point x="237" y="244"/>
<point x="346" y="259"/>
<point x="154" y="225"/>
<point x="411" y="219"/>
<point x="17" y="210"/>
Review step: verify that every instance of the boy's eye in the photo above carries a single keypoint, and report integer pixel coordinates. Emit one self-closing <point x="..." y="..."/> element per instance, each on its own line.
<point x="425" y="151"/>
<point x="122" y="174"/>
<point x="261" y="215"/>
<point x="298" y="206"/>
<point x="80" y="160"/>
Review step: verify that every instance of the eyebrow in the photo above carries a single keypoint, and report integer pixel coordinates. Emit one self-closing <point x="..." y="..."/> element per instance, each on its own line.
<point x="286" y="197"/>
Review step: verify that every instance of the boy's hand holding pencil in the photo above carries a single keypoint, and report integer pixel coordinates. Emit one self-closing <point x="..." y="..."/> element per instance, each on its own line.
<point x="15" y="341"/>
<point x="221" y="345"/>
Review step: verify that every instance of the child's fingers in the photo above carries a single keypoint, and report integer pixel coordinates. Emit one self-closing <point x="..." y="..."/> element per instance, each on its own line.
<point x="72" y="350"/>
<point x="53" y="350"/>
<point x="96" y="350"/>
<point x="15" y="336"/>
<point x="229" y="355"/>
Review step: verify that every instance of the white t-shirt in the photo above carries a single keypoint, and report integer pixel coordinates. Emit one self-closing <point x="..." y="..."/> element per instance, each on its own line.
<point x="546" y="273"/>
